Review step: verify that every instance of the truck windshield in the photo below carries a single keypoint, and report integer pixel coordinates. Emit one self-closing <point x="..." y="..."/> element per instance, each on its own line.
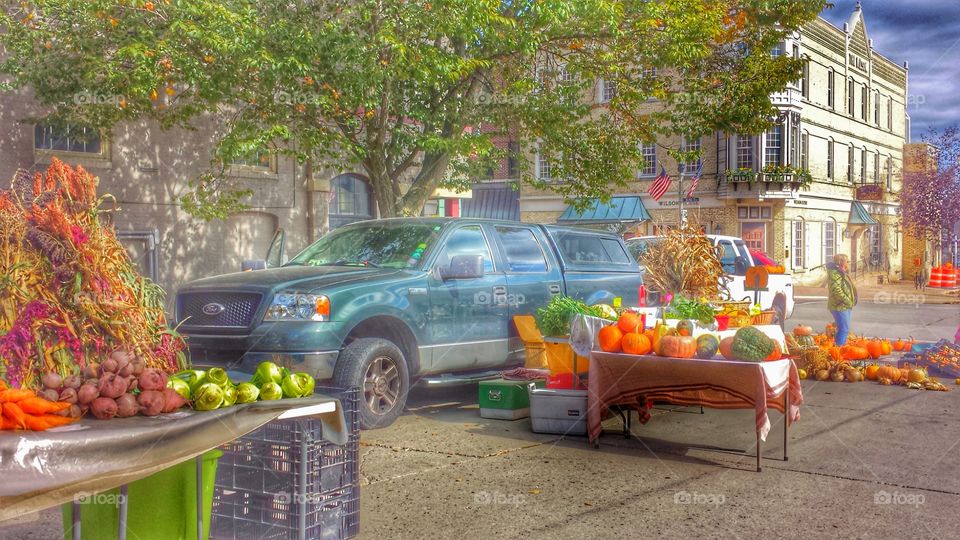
<point x="391" y="245"/>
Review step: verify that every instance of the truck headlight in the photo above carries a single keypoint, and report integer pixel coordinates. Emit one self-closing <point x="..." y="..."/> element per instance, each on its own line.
<point x="298" y="307"/>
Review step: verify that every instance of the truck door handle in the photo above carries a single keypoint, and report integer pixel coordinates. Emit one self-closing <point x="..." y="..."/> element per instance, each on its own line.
<point x="554" y="289"/>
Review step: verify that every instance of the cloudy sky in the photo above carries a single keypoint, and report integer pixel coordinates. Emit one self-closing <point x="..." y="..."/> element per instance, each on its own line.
<point x="925" y="33"/>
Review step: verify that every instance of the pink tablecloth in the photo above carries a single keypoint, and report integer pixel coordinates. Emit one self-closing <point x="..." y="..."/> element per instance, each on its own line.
<point x="638" y="381"/>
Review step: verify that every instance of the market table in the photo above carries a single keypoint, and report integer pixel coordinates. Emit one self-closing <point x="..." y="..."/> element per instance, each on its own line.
<point x="44" y="469"/>
<point x="621" y="380"/>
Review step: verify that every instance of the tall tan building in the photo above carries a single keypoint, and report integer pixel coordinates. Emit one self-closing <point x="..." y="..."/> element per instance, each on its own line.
<point x="844" y="123"/>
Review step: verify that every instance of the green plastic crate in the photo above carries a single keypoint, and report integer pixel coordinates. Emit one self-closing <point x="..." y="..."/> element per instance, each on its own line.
<point x="502" y="399"/>
<point x="161" y="506"/>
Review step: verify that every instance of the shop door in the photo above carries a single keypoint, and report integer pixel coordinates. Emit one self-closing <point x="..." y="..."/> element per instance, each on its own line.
<point x="754" y="235"/>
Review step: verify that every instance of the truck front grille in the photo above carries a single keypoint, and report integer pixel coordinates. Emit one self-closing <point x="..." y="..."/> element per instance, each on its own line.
<point x="217" y="310"/>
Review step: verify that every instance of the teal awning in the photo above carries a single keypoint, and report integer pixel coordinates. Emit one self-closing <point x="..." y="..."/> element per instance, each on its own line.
<point x="618" y="210"/>
<point x="860" y="216"/>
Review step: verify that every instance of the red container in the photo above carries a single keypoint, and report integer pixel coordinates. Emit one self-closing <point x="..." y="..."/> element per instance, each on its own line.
<point x="723" y="322"/>
<point x="562" y="381"/>
<point x="642" y="296"/>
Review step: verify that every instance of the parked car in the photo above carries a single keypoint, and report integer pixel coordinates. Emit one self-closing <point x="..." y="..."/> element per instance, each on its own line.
<point x="736" y="258"/>
<point x="761" y="258"/>
<point x="378" y="304"/>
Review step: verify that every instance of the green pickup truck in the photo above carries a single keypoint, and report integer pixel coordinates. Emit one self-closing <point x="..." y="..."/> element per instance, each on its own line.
<point x="378" y="304"/>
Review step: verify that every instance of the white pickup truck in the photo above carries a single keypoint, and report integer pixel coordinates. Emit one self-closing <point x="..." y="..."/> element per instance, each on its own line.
<point x="735" y="258"/>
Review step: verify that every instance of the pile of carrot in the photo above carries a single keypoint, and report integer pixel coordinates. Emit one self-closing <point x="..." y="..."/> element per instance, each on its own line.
<point x="24" y="409"/>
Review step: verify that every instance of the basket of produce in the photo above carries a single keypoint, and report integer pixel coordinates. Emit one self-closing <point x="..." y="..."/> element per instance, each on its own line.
<point x="764" y="317"/>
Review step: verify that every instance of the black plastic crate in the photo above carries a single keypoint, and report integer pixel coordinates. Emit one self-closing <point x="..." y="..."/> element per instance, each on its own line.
<point x="284" y="481"/>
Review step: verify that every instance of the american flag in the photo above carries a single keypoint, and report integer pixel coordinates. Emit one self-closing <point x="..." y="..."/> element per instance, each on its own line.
<point x="660" y="184"/>
<point x="695" y="181"/>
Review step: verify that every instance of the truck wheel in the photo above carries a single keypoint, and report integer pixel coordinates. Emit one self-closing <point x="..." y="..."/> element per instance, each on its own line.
<point x="376" y="366"/>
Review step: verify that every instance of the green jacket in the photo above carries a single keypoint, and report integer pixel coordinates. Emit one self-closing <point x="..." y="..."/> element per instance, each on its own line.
<point x="842" y="294"/>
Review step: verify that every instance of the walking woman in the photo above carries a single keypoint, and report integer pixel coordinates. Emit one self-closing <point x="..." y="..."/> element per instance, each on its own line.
<point x="842" y="295"/>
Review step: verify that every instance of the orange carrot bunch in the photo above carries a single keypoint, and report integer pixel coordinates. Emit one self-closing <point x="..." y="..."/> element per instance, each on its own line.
<point x="24" y="409"/>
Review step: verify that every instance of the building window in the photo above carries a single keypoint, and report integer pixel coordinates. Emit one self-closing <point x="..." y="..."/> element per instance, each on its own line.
<point x="890" y="113"/>
<point x="78" y="139"/>
<point x="649" y="73"/>
<point x="513" y="159"/>
<point x="258" y="160"/>
<point x="850" y="164"/>
<point x="830" y="146"/>
<point x="805" y="80"/>
<point x="830" y="88"/>
<point x="690" y="166"/>
<point x="777" y="50"/>
<point x="744" y="152"/>
<point x="564" y="76"/>
<point x="798" y="240"/>
<point x="863" y="166"/>
<point x="851" y="101"/>
<point x="876" y="168"/>
<point x="889" y="173"/>
<point x="544" y="171"/>
<point x="864" y="93"/>
<point x="649" y="159"/>
<point x="876" y="108"/>
<point x="805" y="151"/>
<point x="608" y="90"/>
<point x="351" y="200"/>
<point x="873" y="240"/>
<point x="773" y="150"/>
<point x="829" y="240"/>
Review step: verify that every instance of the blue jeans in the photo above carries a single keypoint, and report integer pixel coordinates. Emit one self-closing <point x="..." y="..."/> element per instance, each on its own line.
<point x="842" y="318"/>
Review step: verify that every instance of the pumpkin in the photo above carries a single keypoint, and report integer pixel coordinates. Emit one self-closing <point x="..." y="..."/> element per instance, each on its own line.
<point x="888" y="372"/>
<point x="875" y="348"/>
<point x="678" y="346"/>
<point x="634" y="343"/>
<point x="751" y="345"/>
<point x="659" y="332"/>
<point x="707" y="346"/>
<point x="629" y="322"/>
<point x="685" y="328"/>
<point x="908" y="345"/>
<point x="872" y="371"/>
<point x="802" y="330"/>
<point x="726" y="348"/>
<point x="898" y="344"/>
<point x="805" y="341"/>
<point x="835" y="354"/>
<point x="610" y="338"/>
<point x="887" y="346"/>
<point x="853" y="375"/>
<point x="853" y="352"/>
<point x="776" y="354"/>
<point x="916" y="375"/>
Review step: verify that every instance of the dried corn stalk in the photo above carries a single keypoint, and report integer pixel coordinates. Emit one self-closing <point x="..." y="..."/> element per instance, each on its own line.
<point x="685" y="263"/>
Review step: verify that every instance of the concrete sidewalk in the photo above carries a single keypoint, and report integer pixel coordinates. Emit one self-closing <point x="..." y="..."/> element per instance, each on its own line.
<point x="896" y="292"/>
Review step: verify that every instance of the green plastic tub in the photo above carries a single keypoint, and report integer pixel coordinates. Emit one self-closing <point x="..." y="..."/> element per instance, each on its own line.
<point x="160" y="506"/>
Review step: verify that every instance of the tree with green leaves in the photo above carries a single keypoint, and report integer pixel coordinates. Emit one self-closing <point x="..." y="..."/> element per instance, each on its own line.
<point x="411" y="92"/>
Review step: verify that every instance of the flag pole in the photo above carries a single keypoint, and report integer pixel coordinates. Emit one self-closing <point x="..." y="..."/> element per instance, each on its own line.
<point x="680" y="193"/>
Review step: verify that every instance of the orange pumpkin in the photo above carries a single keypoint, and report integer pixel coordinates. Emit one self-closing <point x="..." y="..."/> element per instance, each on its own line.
<point x="634" y="343"/>
<point x="776" y="354"/>
<point x="888" y="372"/>
<point x="678" y="346"/>
<point x="908" y="345"/>
<point x="649" y="333"/>
<point x="898" y="344"/>
<point x="875" y="348"/>
<point x="853" y="352"/>
<point x="802" y="330"/>
<point x="835" y="354"/>
<point x="872" y="372"/>
<point x="726" y="348"/>
<point x="610" y="338"/>
<point x="887" y="346"/>
<point x="629" y="322"/>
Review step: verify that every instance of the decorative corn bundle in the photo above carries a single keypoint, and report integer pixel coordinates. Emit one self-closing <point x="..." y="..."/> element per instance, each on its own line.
<point x="684" y="263"/>
<point x="69" y="293"/>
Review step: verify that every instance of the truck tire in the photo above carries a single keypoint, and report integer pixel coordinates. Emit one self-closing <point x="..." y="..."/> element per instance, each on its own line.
<point x="379" y="369"/>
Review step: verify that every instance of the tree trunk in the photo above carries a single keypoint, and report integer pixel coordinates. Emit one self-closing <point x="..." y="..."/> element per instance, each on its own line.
<point x="428" y="178"/>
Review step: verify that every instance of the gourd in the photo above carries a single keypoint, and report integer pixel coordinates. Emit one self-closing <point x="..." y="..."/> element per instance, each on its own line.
<point x="634" y="343"/>
<point x="751" y="345"/>
<point x="610" y="338"/>
<point x="659" y="332"/>
<point x="685" y="328"/>
<point x="707" y="346"/>
<point x="726" y="348"/>
<point x="872" y="372"/>
<point x="805" y="340"/>
<point x="803" y="330"/>
<point x="678" y="346"/>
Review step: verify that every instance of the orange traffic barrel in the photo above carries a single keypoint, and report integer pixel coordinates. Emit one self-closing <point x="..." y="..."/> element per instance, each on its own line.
<point x="936" y="277"/>
<point x="949" y="278"/>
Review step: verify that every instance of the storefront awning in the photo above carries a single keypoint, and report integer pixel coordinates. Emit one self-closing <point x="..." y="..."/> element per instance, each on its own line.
<point x="618" y="210"/>
<point x="492" y="201"/>
<point x="860" y="216"/>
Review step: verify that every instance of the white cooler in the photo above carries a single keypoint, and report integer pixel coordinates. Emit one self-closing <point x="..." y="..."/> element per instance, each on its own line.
<point x="559" y="412"/>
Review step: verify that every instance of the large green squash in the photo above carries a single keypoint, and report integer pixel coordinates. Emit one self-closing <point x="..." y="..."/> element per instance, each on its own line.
<point x="751" y="345"/>
<point x="707" y="346"/>
<point x="805" y="341"/>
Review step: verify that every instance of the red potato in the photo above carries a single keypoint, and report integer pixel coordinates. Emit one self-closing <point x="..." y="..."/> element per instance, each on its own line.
<point x="172" y="400"/>
<point x="121" y="357"/>
<point x="138" y="366"/>
<point x="151" y="402"/>
<point x="126" y="370"/>
<point x="127" y="405"/>
<point x="68" y="395"/>
<point x="153" y="379"/>
<point x="90" y="372"/>
<point x="52" y="381"/>
<point x="73" y="381"/>
<point x="112" y="386"/>
<point x="104" y="408"/>
<point x="87" y="393"/>
<point x="109" y="366"/>
<point x="50" y="395"/>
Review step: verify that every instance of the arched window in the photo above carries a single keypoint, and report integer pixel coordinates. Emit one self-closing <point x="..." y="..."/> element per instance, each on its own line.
<point x="351" y="200"/>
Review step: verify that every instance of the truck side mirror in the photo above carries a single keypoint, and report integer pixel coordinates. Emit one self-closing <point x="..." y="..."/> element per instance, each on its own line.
<point x="463" y="267"/>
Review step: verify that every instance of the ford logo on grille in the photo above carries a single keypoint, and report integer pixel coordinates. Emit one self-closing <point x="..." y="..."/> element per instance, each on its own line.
<point x="213" y="309"/>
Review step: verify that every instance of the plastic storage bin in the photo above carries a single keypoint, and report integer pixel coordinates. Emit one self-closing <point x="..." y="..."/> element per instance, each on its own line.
<point x="502" y="399"/>
<point x="560" y="412"/>
<point x="560" y="358"/>
<point x="162" y="505"/>
<point x="284" y="481"/>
